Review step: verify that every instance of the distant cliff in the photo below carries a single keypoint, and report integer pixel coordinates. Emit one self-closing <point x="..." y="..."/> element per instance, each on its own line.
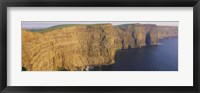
<point x="140" y="35"/>
<point x="74" y="47"/>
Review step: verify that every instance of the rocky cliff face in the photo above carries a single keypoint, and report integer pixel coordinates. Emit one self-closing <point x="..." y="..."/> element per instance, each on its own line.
<point x="133" y="35"/>
<point x="140" y="35"/>
<point x="70" y="48"/>
<point x="160" y="32"/>
<point x="78" y="46"/>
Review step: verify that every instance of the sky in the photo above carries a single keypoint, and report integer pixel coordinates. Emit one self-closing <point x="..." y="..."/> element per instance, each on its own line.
<point x="46" y="24"/>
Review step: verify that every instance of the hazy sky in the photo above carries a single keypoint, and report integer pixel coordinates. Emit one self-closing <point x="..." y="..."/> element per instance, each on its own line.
<point x="46" y="24"/>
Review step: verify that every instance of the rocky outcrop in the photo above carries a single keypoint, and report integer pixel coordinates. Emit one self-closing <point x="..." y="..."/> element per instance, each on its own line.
<point x="160" y="32"/>
<point x="77" y="47"/>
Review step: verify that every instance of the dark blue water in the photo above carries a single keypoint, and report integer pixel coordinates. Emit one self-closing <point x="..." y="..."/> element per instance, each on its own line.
<point x="151" y="58"/>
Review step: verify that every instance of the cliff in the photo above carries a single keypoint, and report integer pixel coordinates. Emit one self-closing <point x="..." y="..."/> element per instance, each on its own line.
<point x="140" y="35"/>
<point x="133" y="35"/>
<point x="75" y="47"/>
<point x="70" y="48"/>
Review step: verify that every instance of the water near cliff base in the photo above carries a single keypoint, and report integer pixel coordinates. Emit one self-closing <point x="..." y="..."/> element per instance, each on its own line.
<point x="162" y="57"/>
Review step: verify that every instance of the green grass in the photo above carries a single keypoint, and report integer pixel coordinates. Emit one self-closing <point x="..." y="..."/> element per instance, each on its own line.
<point x="60" y="27"/>
<point x="53" y="28"/>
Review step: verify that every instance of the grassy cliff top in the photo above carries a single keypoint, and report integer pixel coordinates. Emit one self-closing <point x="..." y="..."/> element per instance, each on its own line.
<point x="62" y="26"/>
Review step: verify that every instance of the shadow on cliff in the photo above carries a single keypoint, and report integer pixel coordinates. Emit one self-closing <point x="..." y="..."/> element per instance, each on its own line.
<point x="24" y="69"/>
<point x="148" y="39"/>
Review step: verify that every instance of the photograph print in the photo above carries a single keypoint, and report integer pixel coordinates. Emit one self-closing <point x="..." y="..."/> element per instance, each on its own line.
<point x="99" y="45"/>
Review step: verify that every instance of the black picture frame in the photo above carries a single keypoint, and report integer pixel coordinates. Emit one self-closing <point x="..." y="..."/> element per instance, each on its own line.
<point x="99" y="3"/>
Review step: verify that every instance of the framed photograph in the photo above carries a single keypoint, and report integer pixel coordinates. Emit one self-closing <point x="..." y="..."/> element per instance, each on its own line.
<point x="100" y="46"/>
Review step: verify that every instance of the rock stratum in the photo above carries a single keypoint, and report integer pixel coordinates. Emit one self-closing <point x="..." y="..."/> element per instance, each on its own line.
<point x="75" y="47"/>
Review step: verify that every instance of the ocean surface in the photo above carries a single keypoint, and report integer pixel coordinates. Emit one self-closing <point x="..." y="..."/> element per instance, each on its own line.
<point x="162" y="57"/>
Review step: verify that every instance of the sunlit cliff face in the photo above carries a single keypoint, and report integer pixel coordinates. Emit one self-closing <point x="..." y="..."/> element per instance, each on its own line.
<point x="78" y="46"/>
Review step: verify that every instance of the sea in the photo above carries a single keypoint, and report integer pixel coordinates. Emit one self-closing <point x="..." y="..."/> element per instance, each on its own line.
<point x="161" y="57"/>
